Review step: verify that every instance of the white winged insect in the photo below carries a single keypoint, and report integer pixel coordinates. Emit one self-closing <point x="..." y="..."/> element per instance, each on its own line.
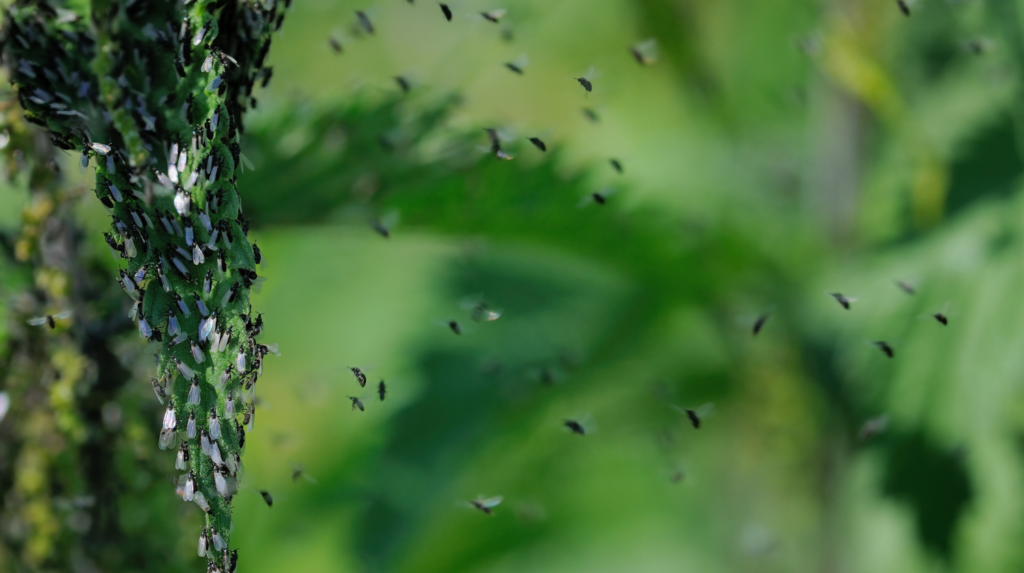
<point x="843" y="300"/>
<point x="696" y="416"/>
<point x="519" y="64"/>
<point x="494" y="16"/>
<point x="49" y="320"/>
<point x="479" y="309"/>
<point x="299" y="472"/>
<point x="497" y="137"/>
<point x="385" y="223"/>
<point x="873" y="427"/>
<point x="646" y="52"/>
<point x="485" y="504"/>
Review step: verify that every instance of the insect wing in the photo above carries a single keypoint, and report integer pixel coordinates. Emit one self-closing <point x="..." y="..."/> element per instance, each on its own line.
<point x="38" y="321"/>
<point x="490" y="502"/>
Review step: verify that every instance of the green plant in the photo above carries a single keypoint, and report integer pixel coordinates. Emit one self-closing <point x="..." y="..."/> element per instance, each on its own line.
<point x="154" y="94"/>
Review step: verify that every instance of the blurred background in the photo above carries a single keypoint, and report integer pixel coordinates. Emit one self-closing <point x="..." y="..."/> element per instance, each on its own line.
<point x="772" y="154"/>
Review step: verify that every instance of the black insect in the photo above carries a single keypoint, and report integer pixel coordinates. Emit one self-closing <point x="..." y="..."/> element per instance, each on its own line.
<point x="49" y="320"/>
<point x="616" y="165"/>
<point x="447" y="12"/>
<point x="381" y="229"/>
<point x="334" y="43"/>
<point x="591" y="115"/>
<point x="492" y="134"/>
<point x="455" y="327"/>
<point x="843" y="300"/>
<point x="514" y="67"/>
<point x="493" y="15"/>
<point x="403" y="84"/>
<point x="538" y="143"/>
<point x="694" y="418"/>
<point x="267" y="498"/>
<point x="586" y="84"/>
<point x="300" y="472"/>
<point x="759" y="323"/>
<point x="364" y="21"/>
<point x="600" y="198"/>
<point x="576" y="427"/>
<point x="906" y="287"/>
<point x="360" y="377"/>
<point x="885" y="348"/>
<point x="357" y="403"/>
<point x="941" y="318"/>
<point x="382" y="390"/>
<point x="256" y="254"/>
<point x="904" y="7"/>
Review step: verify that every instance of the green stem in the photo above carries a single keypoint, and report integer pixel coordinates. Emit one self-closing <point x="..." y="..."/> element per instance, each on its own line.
<point x="153" y="94"/>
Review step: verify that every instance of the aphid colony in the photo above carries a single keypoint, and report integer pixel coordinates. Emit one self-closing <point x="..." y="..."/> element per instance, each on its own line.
<point x="166" y="153"/>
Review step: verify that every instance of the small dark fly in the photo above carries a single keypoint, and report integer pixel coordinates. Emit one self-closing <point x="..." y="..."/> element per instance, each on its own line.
<point x="256" y="254"/>
<point x="873" y="427"/>
<point x="49" y="320"/>
<point x="454" y="326"/>
<point x="575" y="427"/>
<point x="599" y="197"/>
<point x="447" y="12"/>
<point x="536" y="141"/>
<point x="519" y="64"/>
<point x="978" y="46"/>
<point x="495" y="139"/>
<point x="486" y="505"/>
<point x="404" y="84"/>
<point x="645" y="53"/>
<point x="698" y="415"/>
<point x="586" y="80"/>
<point x="335" y="43"/>
<point x="493" y="15"/>
<point x="843" y="300"/>
<point x="904" y="7"/>
<point x="885" y="348"/>
<point x="267" y="497"/>
<point x="591" y="115"/>
<point x="364" y="22"/>
<point x="941" y="316"/>
<point x="382" y="390"/>
<point x="360" y="376"/>
<point x="616" y="165"/>
<point x="759" y="323"/>
<point x="386" y="223"/>
<point x="906" y="287"/>
<point x="299" y="472"/>
<point x="357" y="403"/>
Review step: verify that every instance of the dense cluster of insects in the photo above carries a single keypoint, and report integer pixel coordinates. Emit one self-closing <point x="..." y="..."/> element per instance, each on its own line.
<point x="153" y="94"/>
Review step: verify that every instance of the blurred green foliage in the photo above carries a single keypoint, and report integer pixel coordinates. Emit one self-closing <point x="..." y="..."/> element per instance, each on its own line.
<point x="773" y="154"/>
